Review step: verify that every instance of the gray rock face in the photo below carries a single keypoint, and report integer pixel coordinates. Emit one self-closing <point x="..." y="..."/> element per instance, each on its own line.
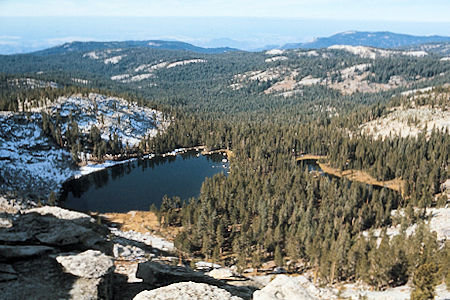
<point x="32" y="241"/>
<point x="7" y="273"/>
<point x="15" y="252"/>
<point x="63" y="214"/>
<point x="221" y="273"/>
<point x="154" y="273"/>
<point x="159" y="274"/>
<point x="5" y="222"/>
<point x="36" y="229"/>
<point x="283" y="287"/>
<point x="94" y="271"/>
<point x="88" y="264"/>
<point x="187" y="291"/>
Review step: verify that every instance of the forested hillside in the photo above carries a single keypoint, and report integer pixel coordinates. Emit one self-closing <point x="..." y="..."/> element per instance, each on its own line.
<point x="268" y="109"/>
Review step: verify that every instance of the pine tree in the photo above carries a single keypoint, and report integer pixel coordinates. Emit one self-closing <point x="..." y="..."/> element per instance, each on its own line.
<point x="424" y="281"/>
<point x="278" y="256"/>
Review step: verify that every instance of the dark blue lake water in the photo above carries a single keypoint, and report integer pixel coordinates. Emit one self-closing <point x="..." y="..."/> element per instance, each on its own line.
<point x="138" y="184"/>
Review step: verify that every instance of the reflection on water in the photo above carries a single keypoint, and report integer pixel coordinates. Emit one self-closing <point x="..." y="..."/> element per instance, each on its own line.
<point x="138" y="184"/>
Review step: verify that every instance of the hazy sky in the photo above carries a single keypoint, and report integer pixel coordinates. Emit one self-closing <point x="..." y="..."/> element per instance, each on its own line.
<point x="29" y="25"/>
<point x="388" y="10"/>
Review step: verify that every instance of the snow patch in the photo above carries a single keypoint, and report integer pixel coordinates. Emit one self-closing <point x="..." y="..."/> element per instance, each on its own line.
<point x="309" y="80"/>
<point x="275" y="52"/>
<point x="415" y="53"/>
<point x="311" y="53"/>
<point x="92" y="55"/>
<point x="111" y="115"/>
<point x="139" y="77"/>
<point x="185" y="62"/>
<point x="373" y="53"/>
<point x="114" y="60"/>
<point x="120" y="77"/>
<point x="275" y="58"/>
<point x="30" y="163"/>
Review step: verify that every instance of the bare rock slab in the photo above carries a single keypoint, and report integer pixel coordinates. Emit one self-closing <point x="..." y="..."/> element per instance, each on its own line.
<point x="88" y="264"/>
<point x="187" y="291"/>
<point x="283" y="287"/>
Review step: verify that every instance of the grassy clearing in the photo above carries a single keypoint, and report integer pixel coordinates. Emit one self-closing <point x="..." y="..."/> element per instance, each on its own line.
<point x="143" y="222"/>
<point x="395" y="184"/>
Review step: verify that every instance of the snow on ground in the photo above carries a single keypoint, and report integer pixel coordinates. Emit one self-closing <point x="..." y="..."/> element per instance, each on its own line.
<point x="101" y="54"/>
<point x="29" y="162"/>
<point x="120" y="76"/>
<point x="139" y="77"/>
<point x="415" y="53"/>
<point x="445" y="58"/>
<point x="363" y="51"/>
<point x="111" y="116"/>
<point x="91" y="167"/>
<point x="276" y="58"/>
<point x="185" y="62"/>
<point x="114" y="60"/>
<point x="92" y="55"/>
<point x="308" y="53"/>
<point x="439" y="222"/>
<point x="373" y="53"/>
<point x="80" y="80"/>
<point x="151" y="67"/>
<point x="32" y="83"/>
<point x="275" y="52"/>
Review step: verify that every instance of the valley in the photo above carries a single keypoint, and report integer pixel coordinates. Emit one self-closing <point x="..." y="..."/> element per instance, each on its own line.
<point x="205" y="165"/>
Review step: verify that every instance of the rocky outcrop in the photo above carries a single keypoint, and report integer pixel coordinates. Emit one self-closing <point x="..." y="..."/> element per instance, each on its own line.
<point x="34" y="258"/>
<point x="94" y="271"/>
<point x="35" y="228"/>
<point x="187" y="291"/>
<point x="159" y="274"/>
<point x="222" y="274"/>
<point x="63" y="214"/>
<point x="21" y="252"/>
<point x="89" y="264"/>
<point x="7" y="273"/>
<point x="284" y="287"/>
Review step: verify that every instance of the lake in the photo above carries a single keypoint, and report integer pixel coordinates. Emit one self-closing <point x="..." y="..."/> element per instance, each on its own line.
<point x="138" y="184"/>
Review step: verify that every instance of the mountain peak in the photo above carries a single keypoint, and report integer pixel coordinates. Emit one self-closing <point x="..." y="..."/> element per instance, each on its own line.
<point x="378" y="39"/>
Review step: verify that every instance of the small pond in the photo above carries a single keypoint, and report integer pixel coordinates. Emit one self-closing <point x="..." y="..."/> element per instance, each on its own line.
<point x="138" y="184"/>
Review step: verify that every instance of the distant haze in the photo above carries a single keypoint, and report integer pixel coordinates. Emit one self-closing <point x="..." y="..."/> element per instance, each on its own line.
<point x="25" y="34"/>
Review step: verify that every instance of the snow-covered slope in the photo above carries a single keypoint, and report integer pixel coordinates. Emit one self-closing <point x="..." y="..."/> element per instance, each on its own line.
<point x="111" y="115"/>
<point x="30" y="164"/>
<point x="370" y="52"/>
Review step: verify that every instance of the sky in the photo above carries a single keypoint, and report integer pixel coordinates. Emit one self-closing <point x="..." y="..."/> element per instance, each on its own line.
<point x="28" y="25"/>
<point x="387" y="10"/>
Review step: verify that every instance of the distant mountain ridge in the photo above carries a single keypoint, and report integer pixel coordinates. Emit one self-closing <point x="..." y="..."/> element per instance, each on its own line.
<point x="155" y="44"/>
<point x="379" y="39"/>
